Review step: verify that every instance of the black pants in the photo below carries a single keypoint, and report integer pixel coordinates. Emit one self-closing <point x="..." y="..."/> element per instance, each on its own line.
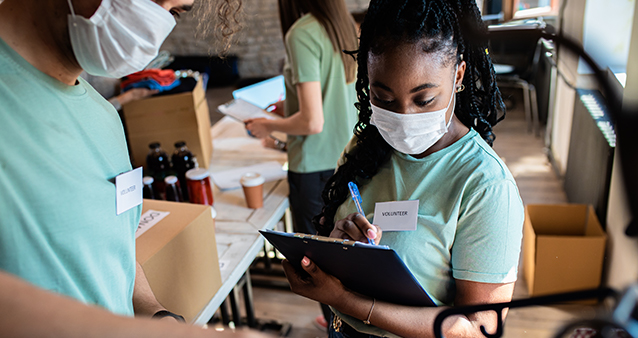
<point x="305" y="198"/>
<point x="306" y="203"/>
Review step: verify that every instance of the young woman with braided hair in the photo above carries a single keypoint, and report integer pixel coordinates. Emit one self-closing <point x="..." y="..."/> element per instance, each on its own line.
<point x="427" y="103"/>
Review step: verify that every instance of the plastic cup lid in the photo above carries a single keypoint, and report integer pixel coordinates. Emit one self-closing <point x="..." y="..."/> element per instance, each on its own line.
<point x="197" y="174"/>
<point x="170" y="179"/>
<point x="148" y="180"/>
<point x="251" y="179"/>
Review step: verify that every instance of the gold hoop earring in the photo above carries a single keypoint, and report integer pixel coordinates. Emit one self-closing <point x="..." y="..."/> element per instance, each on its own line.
<point x="461" y="88"/>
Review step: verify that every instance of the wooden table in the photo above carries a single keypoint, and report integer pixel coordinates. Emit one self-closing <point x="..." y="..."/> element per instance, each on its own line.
<point x="238" y="241"/>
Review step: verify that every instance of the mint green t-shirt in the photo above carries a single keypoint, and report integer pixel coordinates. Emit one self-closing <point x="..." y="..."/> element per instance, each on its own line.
<point x="61" y="148"/>
<point x="470" y="218"/>
<point x="310" y="57"/>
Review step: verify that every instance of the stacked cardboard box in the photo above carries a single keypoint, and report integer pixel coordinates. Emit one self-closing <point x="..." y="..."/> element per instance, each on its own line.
<point x="168" y="119"/>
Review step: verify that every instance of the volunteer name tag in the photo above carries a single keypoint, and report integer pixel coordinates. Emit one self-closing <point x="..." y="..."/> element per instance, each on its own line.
<point x="128" y="190"/>
<point x="396" y="216"/>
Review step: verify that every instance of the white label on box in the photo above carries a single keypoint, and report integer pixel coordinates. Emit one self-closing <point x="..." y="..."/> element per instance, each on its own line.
<point x="396" y="216"/>
<point x="128" y="190"/>
<point x="148" y="220"/>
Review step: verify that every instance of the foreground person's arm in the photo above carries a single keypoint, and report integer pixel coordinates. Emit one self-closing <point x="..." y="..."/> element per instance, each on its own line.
<point x="28" y="311"/>
<point x="144" y="301"/>
<point x="405" y="321"/>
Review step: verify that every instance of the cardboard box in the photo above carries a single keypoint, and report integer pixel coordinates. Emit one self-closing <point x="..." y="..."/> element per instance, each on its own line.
<point x="563" y="248"/>
<point x="168" y="119"/>
<point x="179" y="257"/>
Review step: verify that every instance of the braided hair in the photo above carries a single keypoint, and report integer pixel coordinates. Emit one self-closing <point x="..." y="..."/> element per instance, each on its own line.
<point x="390" y="22"/>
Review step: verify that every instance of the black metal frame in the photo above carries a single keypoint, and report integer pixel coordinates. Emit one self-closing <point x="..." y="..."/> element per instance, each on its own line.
<point x="599" y="294"/>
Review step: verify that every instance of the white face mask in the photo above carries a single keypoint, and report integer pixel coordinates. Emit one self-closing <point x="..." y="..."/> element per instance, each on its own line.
<point x="411" y="133"/>
<point x="122" y="37"/>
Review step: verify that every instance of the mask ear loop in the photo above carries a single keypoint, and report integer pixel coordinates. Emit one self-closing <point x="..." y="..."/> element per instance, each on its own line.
<point x="71" y="6"/>
<point x="449" y="123"/>
<point x="454" y="91"/>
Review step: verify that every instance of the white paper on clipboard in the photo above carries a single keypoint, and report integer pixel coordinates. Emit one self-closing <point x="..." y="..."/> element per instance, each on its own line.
<point x="242" y="110"/>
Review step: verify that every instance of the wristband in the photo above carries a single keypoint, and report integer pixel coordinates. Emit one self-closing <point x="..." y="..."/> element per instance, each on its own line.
<point x="163" y="313"/>
<point x="280" y="145"/>
<point x="367" y="321"/>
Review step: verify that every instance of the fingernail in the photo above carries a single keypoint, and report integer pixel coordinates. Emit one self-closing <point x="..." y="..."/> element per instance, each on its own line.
<point x="305" y="261"/>
<point x="372" y="234"/>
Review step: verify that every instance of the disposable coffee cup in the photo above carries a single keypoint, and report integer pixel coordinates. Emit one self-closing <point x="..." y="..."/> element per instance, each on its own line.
<point x="253" y="185"/>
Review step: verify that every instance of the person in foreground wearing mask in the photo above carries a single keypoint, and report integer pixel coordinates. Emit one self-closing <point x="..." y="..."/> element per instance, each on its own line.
<point x="427" y="103"/>
<point x="67" y="258"/>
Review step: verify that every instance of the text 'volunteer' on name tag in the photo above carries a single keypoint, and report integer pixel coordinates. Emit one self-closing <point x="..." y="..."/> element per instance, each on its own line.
<point x="396" y="216"/>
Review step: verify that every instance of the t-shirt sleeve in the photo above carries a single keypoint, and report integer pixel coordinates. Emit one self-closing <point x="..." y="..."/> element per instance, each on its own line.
<point x="487" y="245"/>
<point x="304" y="53"/>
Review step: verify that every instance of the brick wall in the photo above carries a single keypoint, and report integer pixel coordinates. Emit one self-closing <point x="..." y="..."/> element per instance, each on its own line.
<point x="259" y="46"/>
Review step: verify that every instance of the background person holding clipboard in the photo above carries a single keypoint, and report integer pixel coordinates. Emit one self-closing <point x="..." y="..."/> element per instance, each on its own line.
<point x="427" y="103"/>
<point x="320" y="96"/>
<point x="319" y="112"/>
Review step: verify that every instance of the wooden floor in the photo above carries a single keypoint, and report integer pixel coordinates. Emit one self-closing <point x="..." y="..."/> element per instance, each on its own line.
<point x="525" y="156"/>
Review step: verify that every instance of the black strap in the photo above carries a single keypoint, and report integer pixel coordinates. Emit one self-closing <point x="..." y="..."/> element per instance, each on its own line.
<point x="164" y="313"/>
<point x="351" y="332"/>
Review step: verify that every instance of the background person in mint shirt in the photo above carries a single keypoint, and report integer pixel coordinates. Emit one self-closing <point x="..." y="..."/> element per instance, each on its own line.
<point x="320" y="96"/>
<point x="428" y="101"/>
<point x="67" y="260"/>
<point x="319" y="107"/>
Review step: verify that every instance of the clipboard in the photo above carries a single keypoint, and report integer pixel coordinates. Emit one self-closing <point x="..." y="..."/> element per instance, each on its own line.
<point x="242" y="110"/>
<point x="264" y="93"/>
<point x="372" y="270"/>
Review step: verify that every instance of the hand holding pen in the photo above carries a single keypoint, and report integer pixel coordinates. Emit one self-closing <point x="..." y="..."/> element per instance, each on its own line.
<point x="356" y="226"/>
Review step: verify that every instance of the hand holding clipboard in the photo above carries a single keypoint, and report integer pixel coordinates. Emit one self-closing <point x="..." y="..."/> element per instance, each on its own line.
<point x="372" y="270"/>
<point x="350" y="255"/>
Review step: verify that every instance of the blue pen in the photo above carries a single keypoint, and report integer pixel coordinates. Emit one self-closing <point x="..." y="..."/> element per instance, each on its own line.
<point x="356" y="198"/>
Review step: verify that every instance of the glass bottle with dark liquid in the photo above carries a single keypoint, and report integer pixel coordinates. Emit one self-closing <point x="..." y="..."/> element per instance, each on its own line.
<point x="149" y="191"/>
<point x="158" y="164"/>
<point x="173" y="192"/>
<point x="183" y="161"/>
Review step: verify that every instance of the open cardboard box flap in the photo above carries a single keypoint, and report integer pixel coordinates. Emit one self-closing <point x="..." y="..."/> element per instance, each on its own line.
<point x="179" y="257"/>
